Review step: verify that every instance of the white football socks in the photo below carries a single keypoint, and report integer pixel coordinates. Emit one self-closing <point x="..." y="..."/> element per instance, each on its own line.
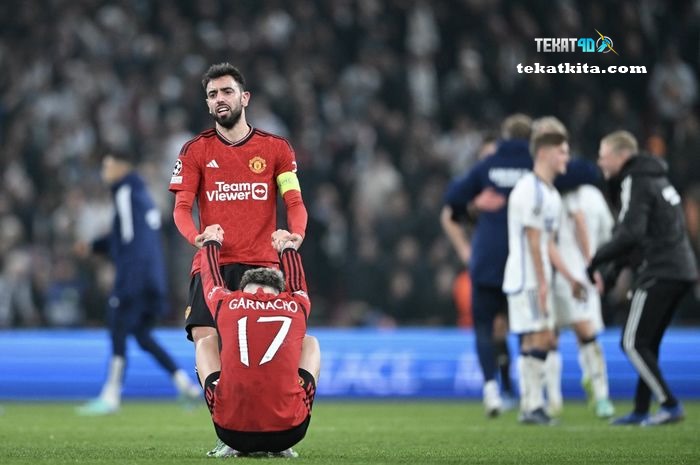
<point x="552" y="378"/>
<point x="112" y="389"/>
<point x="531" y="376"/>
<point x="594" y="361"/>
<point x="184" y="384"/>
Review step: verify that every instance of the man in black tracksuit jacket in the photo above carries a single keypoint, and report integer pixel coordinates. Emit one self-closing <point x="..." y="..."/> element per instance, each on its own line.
<point x="651" y="221"/>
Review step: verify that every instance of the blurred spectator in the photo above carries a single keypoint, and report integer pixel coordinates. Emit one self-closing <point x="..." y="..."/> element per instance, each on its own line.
<point x="17" y="306"/>
<point x="63" y="301"/>
<point x="673" y="86"/>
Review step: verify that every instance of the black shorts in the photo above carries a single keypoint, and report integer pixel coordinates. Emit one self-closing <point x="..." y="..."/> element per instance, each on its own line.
<point x="272" y="441"/>
<point x="197" y="313"/>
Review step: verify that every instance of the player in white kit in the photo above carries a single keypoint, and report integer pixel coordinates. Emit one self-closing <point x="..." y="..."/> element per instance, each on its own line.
<point x="585" y="223"/>
<point x="534" y="208"/>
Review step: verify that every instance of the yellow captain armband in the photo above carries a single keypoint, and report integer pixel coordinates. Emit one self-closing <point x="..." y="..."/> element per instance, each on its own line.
<point x="288" y="181"/>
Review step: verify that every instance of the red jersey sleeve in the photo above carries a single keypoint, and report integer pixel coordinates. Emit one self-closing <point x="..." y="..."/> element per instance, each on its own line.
<point x="295" y="278"/>
<point x="213" y="284"/>
<point x="182" y="214"/>
<point x="286" y="158"/>
<point x="297" y="217"/>
<point x="187" y="170"/>
<point x="290" y="190"/>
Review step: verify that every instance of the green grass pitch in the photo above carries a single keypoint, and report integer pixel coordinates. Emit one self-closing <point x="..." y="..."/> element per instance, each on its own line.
<point x="353" y="432"/>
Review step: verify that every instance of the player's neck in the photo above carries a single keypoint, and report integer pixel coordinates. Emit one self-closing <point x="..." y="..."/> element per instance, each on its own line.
<point x="544" y="173"/>
<point x="236" y="133"/>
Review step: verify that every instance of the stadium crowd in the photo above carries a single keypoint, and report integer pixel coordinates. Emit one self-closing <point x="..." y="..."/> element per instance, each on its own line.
<point x="384" y="102"/>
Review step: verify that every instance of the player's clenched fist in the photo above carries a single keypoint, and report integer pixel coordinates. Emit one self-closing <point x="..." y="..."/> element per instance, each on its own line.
<point x="213" y="232"/>
<point x="283" y="239"/>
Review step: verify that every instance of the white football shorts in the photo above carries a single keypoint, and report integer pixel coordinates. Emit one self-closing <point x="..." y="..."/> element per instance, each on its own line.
<point x="524" y="315"/>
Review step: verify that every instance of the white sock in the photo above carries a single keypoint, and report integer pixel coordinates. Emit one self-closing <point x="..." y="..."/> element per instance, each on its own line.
<point x="552" y="377"/>
<point x="593" y="358"/>
<point x="184" y="384"/>
<point x="112" y="389"/>
<point x="520" y="366"/>
<point x="533" y="374"/>
<point x="585" y="372"/>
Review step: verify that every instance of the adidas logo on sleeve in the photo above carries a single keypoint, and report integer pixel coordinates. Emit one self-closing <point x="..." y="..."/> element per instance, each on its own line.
<point x="212" y="164"/>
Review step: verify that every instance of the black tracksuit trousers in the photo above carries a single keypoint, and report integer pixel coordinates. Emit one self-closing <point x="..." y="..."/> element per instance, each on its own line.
<point x="651" y="311"/>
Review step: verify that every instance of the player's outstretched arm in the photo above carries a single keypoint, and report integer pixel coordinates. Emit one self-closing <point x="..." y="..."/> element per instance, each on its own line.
<point x="290" y="261"/>
<point x="290" y="190"/>
<point x="213" y="284"/>
<point x="297" y="217"/>
<point x="182" y="215"/>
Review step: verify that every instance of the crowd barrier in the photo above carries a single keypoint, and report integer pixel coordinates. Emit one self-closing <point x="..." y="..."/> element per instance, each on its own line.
<point x="365" y="363"/>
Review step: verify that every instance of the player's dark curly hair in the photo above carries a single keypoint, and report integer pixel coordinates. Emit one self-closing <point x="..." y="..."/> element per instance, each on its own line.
<point x="223" y="69"/>
<point x="264" y="277"/>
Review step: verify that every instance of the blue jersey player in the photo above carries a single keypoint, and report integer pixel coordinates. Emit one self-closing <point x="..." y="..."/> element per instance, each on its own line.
<point x="139" y="294"/>
<point x="490" y="180"/>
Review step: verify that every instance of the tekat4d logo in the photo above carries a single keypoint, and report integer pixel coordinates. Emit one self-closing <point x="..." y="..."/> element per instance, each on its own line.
<point x="601" y="44"/>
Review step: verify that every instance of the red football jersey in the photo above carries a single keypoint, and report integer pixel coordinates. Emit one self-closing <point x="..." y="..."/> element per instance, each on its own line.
<point x="237" y="186"/>
<point x="261" y="340"/>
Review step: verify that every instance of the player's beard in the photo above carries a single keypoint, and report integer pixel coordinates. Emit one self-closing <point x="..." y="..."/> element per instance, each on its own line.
<point x="229" y="121"/>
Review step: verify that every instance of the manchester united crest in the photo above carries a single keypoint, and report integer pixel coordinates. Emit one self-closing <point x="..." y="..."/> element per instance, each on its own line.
<point x="257" y="165"/>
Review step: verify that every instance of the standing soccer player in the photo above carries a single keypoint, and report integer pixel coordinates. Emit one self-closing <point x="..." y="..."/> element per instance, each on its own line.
<point x="533" y="214"/>
<point x="139" y="296"/>
<point x="261" y="398"/>
<point x="235" y="172"/>
<point x="580" y="230"/>
<point x="486" y="255"/>
<point x="651" y="220"/>
<point x="586" y="222"/>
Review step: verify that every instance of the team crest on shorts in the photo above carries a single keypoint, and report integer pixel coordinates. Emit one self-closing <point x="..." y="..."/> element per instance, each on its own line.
<point x="188" y="310"/>
<point x="257" y="164"/>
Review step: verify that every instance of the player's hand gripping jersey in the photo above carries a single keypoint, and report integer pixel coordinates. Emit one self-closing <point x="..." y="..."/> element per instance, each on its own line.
<point x="261" y="340"/>
<point x="236" y="185"/>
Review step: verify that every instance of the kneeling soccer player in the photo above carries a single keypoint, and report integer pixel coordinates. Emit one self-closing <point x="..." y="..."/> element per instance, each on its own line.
<point x="261" y="399"/>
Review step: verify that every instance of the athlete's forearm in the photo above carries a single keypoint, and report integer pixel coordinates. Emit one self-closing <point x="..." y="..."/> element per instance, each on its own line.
<point x="533" y="242"/>
<point x="182" y="214"/>
<point x="297" y="217"/>
<point x="455" y="234"/>
<point x="293" y="270"/>
<point x="581" y="230"/>
<point x="209" y="271"/>
<point x="558" y="263"/>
